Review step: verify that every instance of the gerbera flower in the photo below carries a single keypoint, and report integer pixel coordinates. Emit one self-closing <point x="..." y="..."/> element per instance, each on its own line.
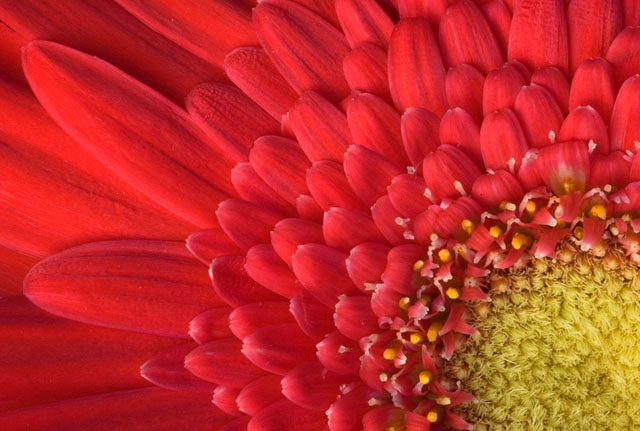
<point x="399" y="215"/>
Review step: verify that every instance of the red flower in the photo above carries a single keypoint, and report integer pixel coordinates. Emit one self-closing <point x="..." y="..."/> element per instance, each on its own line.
<point x="348" y="171"/>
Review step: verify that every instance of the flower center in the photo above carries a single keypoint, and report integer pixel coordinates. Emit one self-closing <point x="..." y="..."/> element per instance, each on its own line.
<point x="559" y="349"/>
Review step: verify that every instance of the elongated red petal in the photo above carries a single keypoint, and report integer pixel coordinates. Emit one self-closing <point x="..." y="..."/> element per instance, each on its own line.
<point x="585" y="124"/>
<point x="498" y="16"/>
<point x="416" y="72"/>
<point x="354" y="317"/>
<point x="603" y="18"/>
<point x="247" y="319"/>
<point x="389" y="221"/>
<point x="538" y="34"/>
<point x="502" y="141"/>
<point x="339" y="354"/>
<point x="245" y="223"/>
<point x="420" y="134"/>
<point x="223" y="363"/>
<point x="210" y="325"/>
<point x="312" y="386"/>
<point x="562" y="163"/>
<point x="254" y="73"/>
<point x="285" y="416"/>
<point x="231" y="119"/>
<point x="624" y="129"/>
<point x="290" y="233"/>
<point x="343" y="229"/>
<point x="252" y="188"/>
<point x="490" y="190"/>
<point x="166" y="369"/>
<point x="47" y="358"/>
<point x="267" y="268"/>
<point x="314" y="318"/>
<point x="465" y="37"/>
<point x="209" y="244"/>
<point x="259" y="394"/>
<point x="464" y="89"/>
<point x="321" y="129"/>
<point x="430" y="9"/>
<point x="539" y="114"/>
<point x="631" y="12"/>
<point x="307" y="50"/>
<point x="555" y="82"/>
<point x="365" y="68"/>
<point x="612" y="169"/>
<point x="448" y="173"/>
<point x="501" y="89"/>
<point x="368" y="173"/>
<point x="593" y="85"/>
<point x="623" y="54"/>
<point x="147" y="286"/>
<point x="106" y="30"/>
<point x="131" y="128"/>
<point x="278" y="348"/>
<point x="364" y="21"/>
<point x="329" y="187"/>
<point x="149" y="409"/>
<point x="13" y="267"/>
<point x="219" y="27"/>
<point x="224" y="397"/>
<point x="458" y="128"/>
<point x="365" y="264"/>
<point x="232" y="283"/>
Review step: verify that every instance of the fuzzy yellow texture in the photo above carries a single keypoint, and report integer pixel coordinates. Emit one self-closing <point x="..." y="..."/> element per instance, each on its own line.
<point x="559" y="351"/>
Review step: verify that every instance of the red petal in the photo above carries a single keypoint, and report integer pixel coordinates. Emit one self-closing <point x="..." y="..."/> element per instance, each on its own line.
<point x="320" y="127"/>
<point x="312" y="386"/>
<point x="339" y="354"/>
<point x="322" y="270"/>
<point x="307" y="50"/>
<point x="267" y="268"/>
<point x="368" y="173"/>
<point x="291" y="233"/>
<point x="624" y="128"/>
<point x="498" y="16"/>
<point x="398" y="273"/>
<point x="354" y="318"/>
<point x="13" y="267"/>
<point x="502" y="141"/>
<point x="365" y="68"/>
<point x="325" y="8"/>
<point x="222" y="362"/>
<point x="430" y="9"/>
<point x="539" y="34"/>
<point x="149" y="409"/>
<point x="450" y="219"/>
<point x="109" y="32"/>
<point x="458" y="128"/>
<point x="278" y="348"/>
<point x="314" y="318"/>
<point x="130" y="128"/>
<point x="252" y="71"/>
<point x="219" y="27"/>
<point x="147" y="286"/>
<point x="346" y="413"/>
<point x="448" y="172"/>
<point x="593" y="85"/>
<point x="376" y="126"/>
<point x="281" y="164"/>
<point x="211" y="325"/>
<point x="46" y="358"/>
<point x="539" y="114"/>
<point x="246" y="319"/>
<point x="309" y="209"/>
<point x="366" y="262"/>
<point x="416" y="72"/>
<point x="239" y="424"/>
<point x="225" y="399"/>
<point x="245" y="223"/>
<point x="406" y="193"/>
<point x="565" y="161"/>
<point x="259" y="394"/>
<point x="209" y="244"/>
<point x="612" y="169"/>
<point x="631" y="12"/>
<point x="490" y="190"/>
<point x="252" y="188"/>
<point x="555" y="82"/>
<point x="231" y="119"/>
<point x="344" y="229"/>
<point x="420" y="134"/>
<point x="283" y="415"/>
<point x="166" y="369"/>
<point x="585" y="124"/>
<point x="501" y="89"/>
<point x="233" y="284"/>
<point x="465" y="37"/>
<point x="10" y="54"/>
<point x="623" y="54"/>
<point x="464" y="89"/>
<point x="388" y="221"/>
<point x="329" y="187"/>
<point x="603" y="19"/>
<point x="364" y="21"/>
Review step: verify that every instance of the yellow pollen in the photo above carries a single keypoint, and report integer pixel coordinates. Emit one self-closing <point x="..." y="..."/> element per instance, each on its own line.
<point x="569" y="185"/>
<point x="391" y="428"/>
<point x="495" y="231"/>
<point x="530" y="207"/>
<point x="452" y="293"/>
<point x="416" y="338"/>
<point x="425" y="377"/>
<point x="443" y="400"/>
<point x="599" y="211"/>
<point x="614" y="230"/>
<point x="509" y="206"/>
<point x="432" y="416"/>
<point x="432" y="332"/>
<point x="404" y="303"/>
<point x="445" y="255"/>
<point x="468" y="226"/>
<point x="418" y="265"/>
<point x="577" y="232"/>
<point x="389" y="354"/>
<point x="520" y="240"/>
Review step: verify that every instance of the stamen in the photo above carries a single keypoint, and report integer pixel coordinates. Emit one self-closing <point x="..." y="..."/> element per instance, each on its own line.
<point x="425" y="377"/>
<point x="432" y="416"/>
<point x="599" y="211"/>
<point x="495" y="231"/>
<point x="452" y="293"/>
<point x="418" y="265"/>
<point x="432" y="332"/>
<point x="389" y="354"/>
<point x="577" y="232"/>
<point x="445" y="255"/>
<point x="530" y="207"/>
<point x="404" y="302"/>
<point x="416" y="338"/>
<point x="568" y="185"/>
<point x="507" y="206"/>
<point x="520" y="240"/>
<point x="443" y="400"/>
<point x="468" y="226"/>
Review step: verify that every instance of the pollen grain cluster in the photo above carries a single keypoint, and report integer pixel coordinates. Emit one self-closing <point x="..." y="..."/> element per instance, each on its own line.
<point x="559" y="351"/>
